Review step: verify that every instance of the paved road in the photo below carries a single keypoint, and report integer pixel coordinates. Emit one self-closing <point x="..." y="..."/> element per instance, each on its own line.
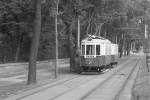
<point x="84" y="87"/>
<point x="110" y="90"/>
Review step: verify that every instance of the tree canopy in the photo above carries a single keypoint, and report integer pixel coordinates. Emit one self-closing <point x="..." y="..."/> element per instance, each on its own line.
<point x="108" y="18"/>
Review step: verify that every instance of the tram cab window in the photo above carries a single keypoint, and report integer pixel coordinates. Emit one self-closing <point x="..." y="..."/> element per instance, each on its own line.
<point x="83" y="50"/>
<point x="97" y="49"/>
<point x="90" y="49"/>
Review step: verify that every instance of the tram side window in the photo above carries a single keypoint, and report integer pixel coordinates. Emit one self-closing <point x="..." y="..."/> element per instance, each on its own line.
<point x="97" y="49"/>
<point x="83" y="49"/>
<point x="90" y="49"/>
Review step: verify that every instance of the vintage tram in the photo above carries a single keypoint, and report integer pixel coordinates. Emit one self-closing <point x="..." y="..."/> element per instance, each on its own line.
<point x="97" y="53"/>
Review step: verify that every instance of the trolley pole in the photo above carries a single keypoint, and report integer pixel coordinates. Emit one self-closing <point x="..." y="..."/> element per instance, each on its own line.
<point x="56" y="40"/>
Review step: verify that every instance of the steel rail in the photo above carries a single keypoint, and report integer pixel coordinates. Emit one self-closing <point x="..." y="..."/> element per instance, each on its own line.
<point x="84" y="97"/>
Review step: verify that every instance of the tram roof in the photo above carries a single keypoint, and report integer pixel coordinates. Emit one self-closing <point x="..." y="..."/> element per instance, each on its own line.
<point x="95" y="39"/>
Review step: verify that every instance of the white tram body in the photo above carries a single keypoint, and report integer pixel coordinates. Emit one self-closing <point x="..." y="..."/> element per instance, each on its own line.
<point x="114" y="53"/>
<point x="96" y="53"/>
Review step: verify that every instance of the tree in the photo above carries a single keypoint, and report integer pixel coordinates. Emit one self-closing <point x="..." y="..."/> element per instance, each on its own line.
<point x="15" y="28"/>
<point x="71" y="10"/>
<point x="35" y="43"/>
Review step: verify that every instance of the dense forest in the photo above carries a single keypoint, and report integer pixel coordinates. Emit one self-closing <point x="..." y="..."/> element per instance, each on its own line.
<point x="102" y="17"/>
<point x="27" y="27"/>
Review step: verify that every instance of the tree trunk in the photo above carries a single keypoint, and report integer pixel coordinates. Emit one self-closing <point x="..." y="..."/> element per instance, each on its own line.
<point x="18" y="47"/>
<point x="71" y="53"/>
<point x="35" y="43"/>
<point x="128" y="47"/>
<point x="71" y="49"/>
<point x="124" y="44"/>
<point x="125" y="47"/>
<point x="88" y="27"/>
<point x="121" y="52"/>
<point x="121" y="46"/>
<point x="17" y="53"/>
<point x="71" y="46"/>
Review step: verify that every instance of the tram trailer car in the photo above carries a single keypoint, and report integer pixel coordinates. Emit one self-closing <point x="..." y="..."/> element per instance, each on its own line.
<point x="97" y="53"/>
<point x="114" y="54"/>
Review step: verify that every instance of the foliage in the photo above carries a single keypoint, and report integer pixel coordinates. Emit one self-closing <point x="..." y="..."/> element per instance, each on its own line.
<point x="15" y="27"/>
<point x="16" y="24"/>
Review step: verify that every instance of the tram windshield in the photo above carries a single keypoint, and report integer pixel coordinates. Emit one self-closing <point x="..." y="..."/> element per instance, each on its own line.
<point x="97" y="49"/>
<point x="90" y="49"/>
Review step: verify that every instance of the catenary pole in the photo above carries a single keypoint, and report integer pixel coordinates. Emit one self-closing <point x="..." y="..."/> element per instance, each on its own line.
<point x="56" y="40"/>
<point x="147" y="39"/>
<point x="78" y="43"/>
<point x="147" y="43"/>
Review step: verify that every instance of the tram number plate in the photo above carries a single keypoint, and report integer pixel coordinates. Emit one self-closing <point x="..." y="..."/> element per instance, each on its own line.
<point x="89" y="56"/>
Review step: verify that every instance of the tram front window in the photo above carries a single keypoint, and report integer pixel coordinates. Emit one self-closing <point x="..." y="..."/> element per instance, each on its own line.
<point x="97" y="49"/>
<point x="90" y="49"/>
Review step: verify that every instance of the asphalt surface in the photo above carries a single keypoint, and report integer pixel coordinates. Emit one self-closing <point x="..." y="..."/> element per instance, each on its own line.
<point x="69" y="86"/>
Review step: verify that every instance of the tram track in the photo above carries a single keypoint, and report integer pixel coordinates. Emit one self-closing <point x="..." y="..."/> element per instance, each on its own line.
<point x="65" y="86"/>
<point x="125" y="91"/>
<point x="62" y="82"/>
<point x="67" y="94"/>
<point x="86" y="97"/>
<point x="117" y="97"/>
